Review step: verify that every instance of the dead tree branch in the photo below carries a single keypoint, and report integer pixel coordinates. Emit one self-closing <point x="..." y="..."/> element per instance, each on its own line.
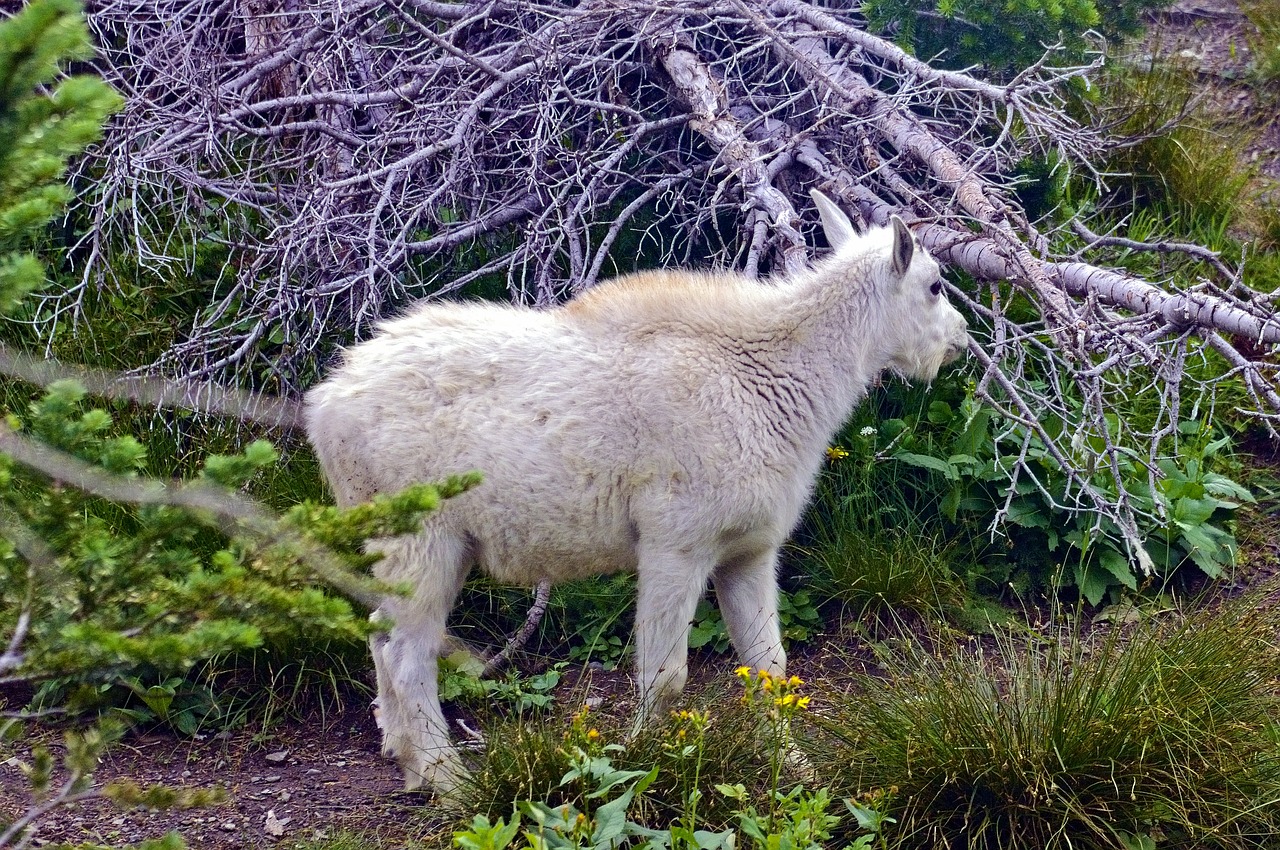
<point x="350" y="158"/>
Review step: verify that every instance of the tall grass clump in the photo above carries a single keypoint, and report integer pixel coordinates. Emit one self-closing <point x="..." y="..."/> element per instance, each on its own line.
<point x="879" y="573"/>
<point x="1264" y="15"/>
<point x="1165" y="734"/>
<point x="1183" y="157"/>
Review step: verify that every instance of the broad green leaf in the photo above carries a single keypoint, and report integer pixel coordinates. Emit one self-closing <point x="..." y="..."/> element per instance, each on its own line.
<point x="927" y="462"/>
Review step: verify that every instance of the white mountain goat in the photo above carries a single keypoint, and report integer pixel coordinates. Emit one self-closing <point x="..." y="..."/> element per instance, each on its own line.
<point x="669" y="423"/>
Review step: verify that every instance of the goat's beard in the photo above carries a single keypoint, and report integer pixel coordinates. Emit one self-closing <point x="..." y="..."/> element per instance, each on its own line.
<point x="922" y="367"/>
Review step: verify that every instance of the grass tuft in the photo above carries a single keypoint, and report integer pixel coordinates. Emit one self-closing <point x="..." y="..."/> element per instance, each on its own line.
<point x="1185" y="158"/>
<point x="1264" y="15"/>
<point x="879" y="573"/>
<point x="1166" y="733"/>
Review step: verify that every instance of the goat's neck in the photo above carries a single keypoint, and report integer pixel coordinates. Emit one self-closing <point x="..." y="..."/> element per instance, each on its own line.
<point x="834" y="344"/>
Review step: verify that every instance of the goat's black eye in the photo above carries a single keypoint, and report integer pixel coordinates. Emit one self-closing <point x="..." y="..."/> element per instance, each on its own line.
<point x="936" y="289"/>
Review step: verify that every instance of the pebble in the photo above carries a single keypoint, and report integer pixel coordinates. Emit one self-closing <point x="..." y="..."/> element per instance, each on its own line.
<point x="278" y="756"/>
<point x="275" y="777"/>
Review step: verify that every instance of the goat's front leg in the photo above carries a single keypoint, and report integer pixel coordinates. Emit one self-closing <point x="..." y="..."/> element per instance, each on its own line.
<point x="747" y="594"/>
<point x="670" y="585"/>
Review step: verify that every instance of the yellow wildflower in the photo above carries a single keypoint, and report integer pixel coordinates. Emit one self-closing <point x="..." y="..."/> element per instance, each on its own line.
<point x="592" y="734"/>
<point x="836" y="453"/>
<point x="743" y="672"/>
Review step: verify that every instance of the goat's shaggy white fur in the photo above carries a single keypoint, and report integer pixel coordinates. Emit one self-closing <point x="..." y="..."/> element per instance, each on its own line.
<point x="667" y="423"/>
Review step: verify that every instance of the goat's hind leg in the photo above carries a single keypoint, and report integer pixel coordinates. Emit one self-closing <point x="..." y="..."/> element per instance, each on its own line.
<point x="387" y="711"/>
<point x="413" y="725"/>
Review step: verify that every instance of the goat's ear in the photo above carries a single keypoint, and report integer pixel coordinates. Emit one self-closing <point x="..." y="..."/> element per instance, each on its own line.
<point x="835" y="224"/>
<point x="903" y="246"/>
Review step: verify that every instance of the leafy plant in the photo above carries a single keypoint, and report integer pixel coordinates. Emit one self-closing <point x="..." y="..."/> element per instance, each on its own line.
<point x="940" y="472"/>
<point x="609" y="795"/>
<point x="460" y="680"/>
<point x="596" y="614"/>
<point x="1185" y="506"/>
<point x="800" y="820"/>
<point x="798" y="618"/>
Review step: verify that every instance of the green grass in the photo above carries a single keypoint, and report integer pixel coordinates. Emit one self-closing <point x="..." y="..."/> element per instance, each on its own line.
<point x="878" y="574"/>
<point x="1169" y="731"/>
<point x="1264" y="15"/>
<point x="1184" y="158"/>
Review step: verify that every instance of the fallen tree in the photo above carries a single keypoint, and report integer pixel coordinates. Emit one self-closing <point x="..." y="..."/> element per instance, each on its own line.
<point x="356" y="155"/>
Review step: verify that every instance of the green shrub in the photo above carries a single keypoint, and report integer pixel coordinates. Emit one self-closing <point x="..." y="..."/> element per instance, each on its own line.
<point x="525" y="759"/>
<point x="1002" y="34"/>
<point x="135" y="595"/>
<point x="710" y="778"/>
<point x="1165" y="733"/>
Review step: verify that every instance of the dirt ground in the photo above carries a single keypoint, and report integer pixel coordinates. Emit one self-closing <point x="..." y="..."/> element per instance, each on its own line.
<point x="313" y="779"/>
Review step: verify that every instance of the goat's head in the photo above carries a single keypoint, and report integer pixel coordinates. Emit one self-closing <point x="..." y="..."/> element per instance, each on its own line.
<point x="917" y="324"/>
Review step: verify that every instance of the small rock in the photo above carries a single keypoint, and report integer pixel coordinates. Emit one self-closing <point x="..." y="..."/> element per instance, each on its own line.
<point x="593" y="702"/>
<point x="285" y="796"/>
<point x="274" y="825"/>
<point x="278" y="756"/>
<point x="311" y="771"/>
<point x="186" y="774"/>
<point x="228" y="826"/>
<point x="340" y="763"/>
<point x="275" y="777"/>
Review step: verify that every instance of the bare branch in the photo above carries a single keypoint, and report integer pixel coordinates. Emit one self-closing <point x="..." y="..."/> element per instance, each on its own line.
<point x="203" y="396"/>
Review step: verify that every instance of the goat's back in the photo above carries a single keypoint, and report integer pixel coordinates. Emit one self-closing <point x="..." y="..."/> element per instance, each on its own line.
<point x="592" y="424"/>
